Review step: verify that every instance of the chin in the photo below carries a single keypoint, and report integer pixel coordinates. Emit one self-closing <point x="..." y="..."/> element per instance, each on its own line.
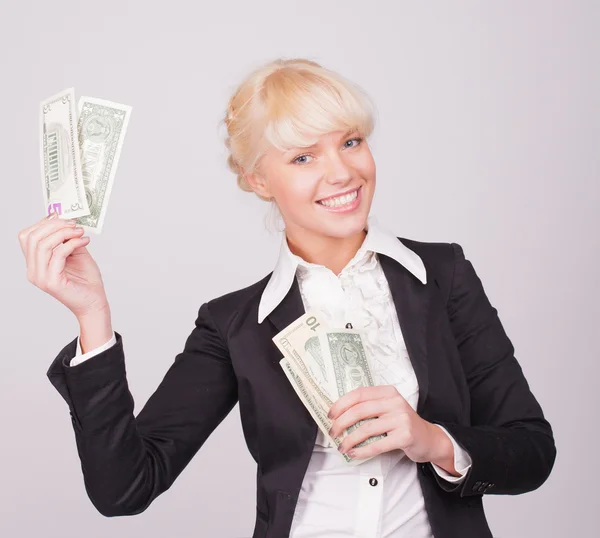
<point x="347" y="226"/>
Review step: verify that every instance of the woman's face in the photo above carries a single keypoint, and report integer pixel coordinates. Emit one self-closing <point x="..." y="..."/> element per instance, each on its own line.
<point x="325" y="190"/>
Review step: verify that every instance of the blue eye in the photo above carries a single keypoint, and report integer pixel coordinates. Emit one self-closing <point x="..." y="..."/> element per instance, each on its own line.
<point x="358" y="141"/>
<point x="300" y="157"/>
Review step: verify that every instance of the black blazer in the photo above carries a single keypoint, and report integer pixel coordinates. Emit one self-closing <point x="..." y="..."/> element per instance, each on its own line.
<point x="469" y="382"/>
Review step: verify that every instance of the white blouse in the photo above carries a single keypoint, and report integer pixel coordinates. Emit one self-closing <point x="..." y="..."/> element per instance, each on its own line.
<point x="337" y="500"/>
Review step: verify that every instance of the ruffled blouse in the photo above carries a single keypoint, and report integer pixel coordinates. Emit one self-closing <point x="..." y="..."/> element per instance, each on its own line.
<point x="360" y="295"/>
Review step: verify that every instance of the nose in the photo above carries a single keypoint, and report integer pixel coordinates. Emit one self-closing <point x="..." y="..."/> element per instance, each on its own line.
<point x="337" y="170"/>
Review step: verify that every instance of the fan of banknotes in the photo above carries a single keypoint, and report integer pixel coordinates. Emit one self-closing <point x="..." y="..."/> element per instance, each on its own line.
<point x="80" y="150"/>
<point x="323" y="364"/>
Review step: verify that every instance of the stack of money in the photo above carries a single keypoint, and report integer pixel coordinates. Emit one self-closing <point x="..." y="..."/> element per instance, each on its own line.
<point x="80" y="151"/>
<point x="322" y="364"/>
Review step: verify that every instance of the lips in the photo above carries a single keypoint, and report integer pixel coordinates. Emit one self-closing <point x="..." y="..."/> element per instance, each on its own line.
<point x="339" y="195"/>
<point x="348" y="203"/>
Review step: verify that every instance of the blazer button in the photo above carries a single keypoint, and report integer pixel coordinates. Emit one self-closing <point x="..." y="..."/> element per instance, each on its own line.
<point x="373" y="481"/>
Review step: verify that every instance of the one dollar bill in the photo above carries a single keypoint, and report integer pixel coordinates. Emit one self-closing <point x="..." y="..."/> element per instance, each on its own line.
<point x="345" y="351"/>
<point x="80" y="152"/>
<point x="102" y="126"/>
<point x="62" y="178"/>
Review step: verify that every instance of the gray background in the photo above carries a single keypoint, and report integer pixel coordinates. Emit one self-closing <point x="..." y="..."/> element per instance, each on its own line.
<point x="487" y="135"/>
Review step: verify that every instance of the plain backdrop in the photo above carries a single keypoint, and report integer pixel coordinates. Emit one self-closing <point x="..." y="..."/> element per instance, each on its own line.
<point x="488" y="135"/>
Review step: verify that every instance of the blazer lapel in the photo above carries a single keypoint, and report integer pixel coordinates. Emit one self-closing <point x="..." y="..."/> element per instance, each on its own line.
<point x="292" y="410"/>
<point x="412" y="301"/>
<point x="289" y="310"/>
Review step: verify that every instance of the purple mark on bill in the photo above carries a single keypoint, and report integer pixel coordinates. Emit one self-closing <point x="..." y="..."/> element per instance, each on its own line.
<point x="56" y="206"/>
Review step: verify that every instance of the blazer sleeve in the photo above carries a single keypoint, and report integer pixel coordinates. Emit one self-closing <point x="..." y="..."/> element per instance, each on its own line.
<point x="510" y="442"/>
<point x="128" y="461"/>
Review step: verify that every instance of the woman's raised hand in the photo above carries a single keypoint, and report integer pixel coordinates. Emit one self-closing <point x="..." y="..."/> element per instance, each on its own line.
<point x="59" y="264"/>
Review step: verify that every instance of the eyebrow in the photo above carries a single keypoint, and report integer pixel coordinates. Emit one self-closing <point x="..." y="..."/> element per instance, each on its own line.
<point x="347" y="133"/>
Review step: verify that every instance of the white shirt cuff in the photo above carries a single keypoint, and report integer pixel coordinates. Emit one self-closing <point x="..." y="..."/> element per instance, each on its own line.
<point x="462" y="461"/>
<point x="79" y="357"/>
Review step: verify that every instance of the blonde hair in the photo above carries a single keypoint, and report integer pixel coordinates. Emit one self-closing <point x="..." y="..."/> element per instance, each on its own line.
<point x="290" y="103"/>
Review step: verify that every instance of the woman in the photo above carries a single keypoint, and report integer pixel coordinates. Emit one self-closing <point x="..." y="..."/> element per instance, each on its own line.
<point x="460" y="419"/>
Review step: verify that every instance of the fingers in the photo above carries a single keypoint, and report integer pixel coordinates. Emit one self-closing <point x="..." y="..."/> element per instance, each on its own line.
<point x="367" y="429"/>
<point x="46" y="246"/>
<point x="30" y="237"/>
<point x="58" y="259"/>
<point x="361" y="411"/>
<point x="31" y="244"/>
<point x="23" y="234"/>
<point x="361" y="394"/>
<point x="373" y="449"/>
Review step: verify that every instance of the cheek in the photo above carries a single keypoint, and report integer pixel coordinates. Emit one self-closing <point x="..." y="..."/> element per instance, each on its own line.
<point x="296" y="192"/>
<point x="367" y="167"/>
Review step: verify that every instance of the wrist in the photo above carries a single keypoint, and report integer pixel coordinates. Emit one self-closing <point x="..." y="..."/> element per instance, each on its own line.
<point x="99" y="312"/>
<point x="441" y="450"/>
<point x="95" y="329"/>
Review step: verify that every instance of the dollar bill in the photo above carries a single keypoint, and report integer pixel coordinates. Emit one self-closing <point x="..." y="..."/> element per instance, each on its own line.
<point x="102" y="126"/>
<point x="344" y="349"/>
<point x="317" y="408"/>
<point x="300" y="343"/>
<point x="323" y="364"/>
<point x="62" y="178"/>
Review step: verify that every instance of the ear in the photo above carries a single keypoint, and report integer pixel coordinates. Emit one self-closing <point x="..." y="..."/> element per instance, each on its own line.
<point x="259" y="185"/>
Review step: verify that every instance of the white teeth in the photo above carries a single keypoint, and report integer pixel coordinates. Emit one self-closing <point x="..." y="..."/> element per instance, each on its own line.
<point x="340" y="200"/>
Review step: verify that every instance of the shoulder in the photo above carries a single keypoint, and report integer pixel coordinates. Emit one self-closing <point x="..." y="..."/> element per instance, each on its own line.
<point x="440" y="259"/>
<point x="437" y="255"/>
<point x="241" y="304"/>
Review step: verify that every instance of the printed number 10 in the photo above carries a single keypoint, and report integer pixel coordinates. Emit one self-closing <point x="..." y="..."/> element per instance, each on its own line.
<point x="312" y="323"/>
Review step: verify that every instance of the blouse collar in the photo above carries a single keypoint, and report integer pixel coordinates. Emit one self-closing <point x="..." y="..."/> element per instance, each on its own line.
<point x="377" y="240"/>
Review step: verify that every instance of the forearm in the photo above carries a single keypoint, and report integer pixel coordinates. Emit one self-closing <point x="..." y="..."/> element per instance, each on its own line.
<point x="115" y="458"/>
<point x="128" y="461"/>
<point x="506" y="460"/>
<point x="510" y="442"/>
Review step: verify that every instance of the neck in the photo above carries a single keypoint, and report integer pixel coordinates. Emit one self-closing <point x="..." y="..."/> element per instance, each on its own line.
<point x="331" y="252"/>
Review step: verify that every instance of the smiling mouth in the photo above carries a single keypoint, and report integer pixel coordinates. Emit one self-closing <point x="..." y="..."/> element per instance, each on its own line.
<point x="340" y="201"/>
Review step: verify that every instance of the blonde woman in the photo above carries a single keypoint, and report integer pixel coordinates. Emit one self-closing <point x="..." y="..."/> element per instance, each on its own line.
<point x="460" y="419"/>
